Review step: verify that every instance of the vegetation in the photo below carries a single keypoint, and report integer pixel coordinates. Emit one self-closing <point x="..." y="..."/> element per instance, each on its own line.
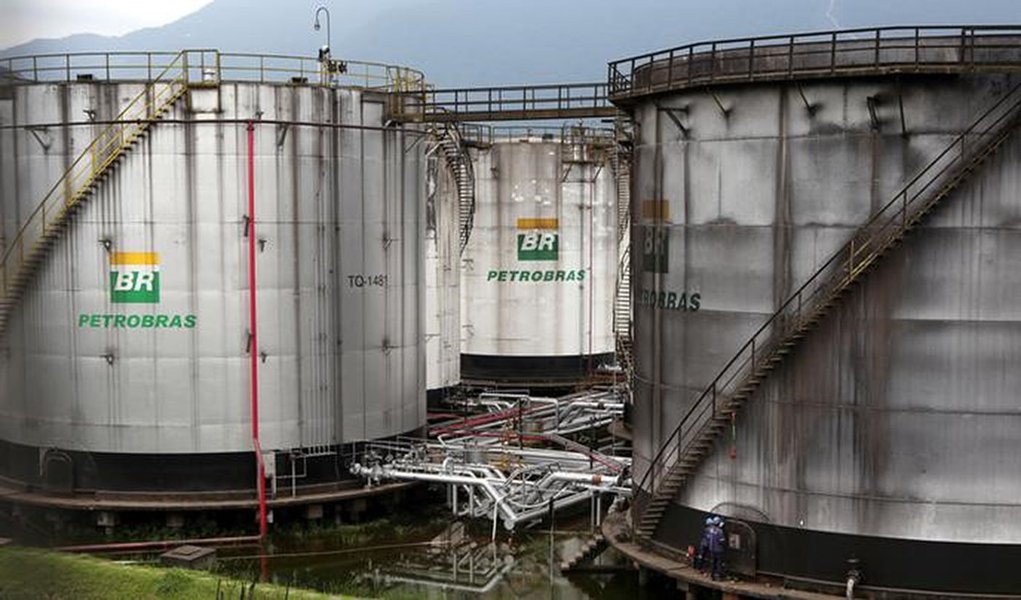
<point x="34" y="574"/>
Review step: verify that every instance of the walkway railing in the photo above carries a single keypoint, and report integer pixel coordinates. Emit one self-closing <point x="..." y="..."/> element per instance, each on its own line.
<point x="486" y="135"/>
<point x="818" y="54"/>
<point x="213" y="66"/>
<point x="510" y="103"/>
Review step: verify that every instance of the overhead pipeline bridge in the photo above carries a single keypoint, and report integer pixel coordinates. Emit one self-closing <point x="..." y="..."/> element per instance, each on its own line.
<point x="509" y="103"/>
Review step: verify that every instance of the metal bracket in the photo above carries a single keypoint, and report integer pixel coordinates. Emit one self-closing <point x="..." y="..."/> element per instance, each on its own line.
<point x="900" y="105"/>
<point x="566" y="172"/>
<point x="40" y="132"/>
<point x="871" y="102"/>
<point x="811" y="108"/>
<point x="672" y="113"/>
<point x="724" y="111"/>
<point x="282" y="133"/>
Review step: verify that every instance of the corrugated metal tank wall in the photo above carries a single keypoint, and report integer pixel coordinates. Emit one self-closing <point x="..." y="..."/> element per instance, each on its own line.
<point x="893" y="418"/>
<point x="534" y="303"/>
<point x="443" y="278"/>
<point x="340" y="282"/>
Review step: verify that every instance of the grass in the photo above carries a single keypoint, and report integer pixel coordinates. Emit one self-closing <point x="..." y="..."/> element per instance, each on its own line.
<point x="37" y="574"/>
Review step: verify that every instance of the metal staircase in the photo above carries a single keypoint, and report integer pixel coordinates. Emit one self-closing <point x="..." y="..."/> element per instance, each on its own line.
<point x="31" y="246"/>
<point x="622" y="299"/>
<point x="711" y="414"/>
<point x="460" y="164"/>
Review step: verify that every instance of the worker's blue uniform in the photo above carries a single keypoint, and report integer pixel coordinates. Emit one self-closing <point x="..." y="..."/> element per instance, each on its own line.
<point x="717" y="542"/>
<point x="703" y="546"/>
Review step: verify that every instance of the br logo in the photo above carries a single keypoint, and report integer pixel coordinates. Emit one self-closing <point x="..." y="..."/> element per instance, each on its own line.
<point x="656" y="240"/>
<point x="538" y="239"/>
<point x="135" y="277"/>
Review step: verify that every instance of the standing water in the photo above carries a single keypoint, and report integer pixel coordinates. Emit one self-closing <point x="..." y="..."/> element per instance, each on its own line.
<point x="437" y="559"/>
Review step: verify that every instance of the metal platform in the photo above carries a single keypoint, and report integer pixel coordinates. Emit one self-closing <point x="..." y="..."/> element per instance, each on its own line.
<point x="510" y="103"/>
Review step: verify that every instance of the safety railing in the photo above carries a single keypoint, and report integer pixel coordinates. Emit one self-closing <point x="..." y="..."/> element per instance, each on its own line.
<point x="27" y="246"/>
<point x="818" y="54"/>
<point x="880" y="232"/>
<point x="486" y="135"/>
<point x="213" y="66"/>
<point x="578" y="100"/>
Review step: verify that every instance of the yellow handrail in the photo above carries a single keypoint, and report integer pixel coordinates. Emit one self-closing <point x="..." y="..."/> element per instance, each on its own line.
<point x="72" y="186"/>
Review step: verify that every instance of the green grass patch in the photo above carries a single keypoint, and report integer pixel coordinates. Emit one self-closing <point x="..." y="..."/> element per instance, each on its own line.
<point x="32" y="574"/>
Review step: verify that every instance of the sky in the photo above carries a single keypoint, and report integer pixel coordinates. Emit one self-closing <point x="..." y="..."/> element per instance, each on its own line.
<point x="24" y="20"/>
<point x="455" y="42"/>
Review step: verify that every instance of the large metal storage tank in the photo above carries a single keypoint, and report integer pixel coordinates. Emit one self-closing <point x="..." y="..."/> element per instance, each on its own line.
<point x="889" y="433"/>
<point x="151" y="392"/>
<point x="541" y="263"/>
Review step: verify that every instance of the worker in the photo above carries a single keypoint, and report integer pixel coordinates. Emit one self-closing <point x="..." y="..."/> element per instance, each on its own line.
<point x="702" y="556"/>
<point x="717" y="547"/>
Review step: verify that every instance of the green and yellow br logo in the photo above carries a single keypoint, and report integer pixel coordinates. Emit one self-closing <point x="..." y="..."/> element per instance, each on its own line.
<point x="538" y="239"/>
<point x="135" y="277"/>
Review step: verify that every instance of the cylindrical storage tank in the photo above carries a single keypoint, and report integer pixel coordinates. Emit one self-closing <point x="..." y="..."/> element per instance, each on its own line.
<point x="127" y="362"/>
<point x="443" y="278"/>
<point x="540" y="267"/>
<point x="888" y="433"/>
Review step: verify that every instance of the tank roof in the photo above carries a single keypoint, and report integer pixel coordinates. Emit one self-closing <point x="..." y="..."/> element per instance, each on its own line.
<point x="818" y="55"/>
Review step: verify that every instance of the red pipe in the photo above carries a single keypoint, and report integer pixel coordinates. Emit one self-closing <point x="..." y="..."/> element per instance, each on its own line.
<point x="254" y="346"/>
<point x="480" y="420"/>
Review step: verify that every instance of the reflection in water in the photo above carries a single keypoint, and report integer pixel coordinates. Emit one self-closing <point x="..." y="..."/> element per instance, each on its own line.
<point x="455" y="562"/>
<point x="452" y="565"/>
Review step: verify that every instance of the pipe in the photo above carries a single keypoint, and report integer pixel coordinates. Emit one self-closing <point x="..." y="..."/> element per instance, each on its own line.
<point x="161" y="544"/>
<point x="854" y="577"/>
<point x="252" y="320"/>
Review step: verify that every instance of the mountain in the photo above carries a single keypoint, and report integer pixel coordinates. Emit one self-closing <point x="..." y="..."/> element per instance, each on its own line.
<point x="491" y="42"/>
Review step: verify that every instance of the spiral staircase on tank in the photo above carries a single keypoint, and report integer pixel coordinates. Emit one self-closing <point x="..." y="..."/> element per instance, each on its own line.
<point x="44" y="227"/>
<point x="455" y="155"/>
<point x="711" y="414"/>
<point x="622" y="317"/>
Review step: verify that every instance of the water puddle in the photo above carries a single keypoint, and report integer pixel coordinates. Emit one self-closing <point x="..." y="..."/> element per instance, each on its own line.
<point x="458" y="561"/>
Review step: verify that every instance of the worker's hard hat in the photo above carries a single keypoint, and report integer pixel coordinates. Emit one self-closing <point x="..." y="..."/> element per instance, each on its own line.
<point x="709" y="520"/>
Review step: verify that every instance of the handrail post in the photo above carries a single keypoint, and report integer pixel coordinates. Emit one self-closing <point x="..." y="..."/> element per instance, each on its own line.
<point x="670" y="71"/>
<point x="917" y="49"/>
<point x="790" y="57"/>
<point x="751" y="60"/>
<point x="691" y="70"/>
<point x="712" y="62"/>
<point x="833" y="52"/>
<point x="876" y="57"/>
